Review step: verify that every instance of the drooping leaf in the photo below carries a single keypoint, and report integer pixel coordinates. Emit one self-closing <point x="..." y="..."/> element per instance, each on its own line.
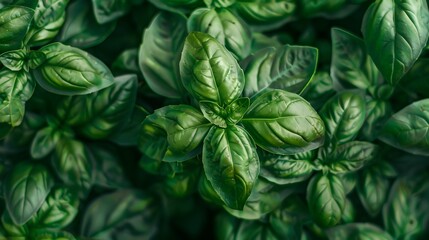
<point x="14" y="23"/>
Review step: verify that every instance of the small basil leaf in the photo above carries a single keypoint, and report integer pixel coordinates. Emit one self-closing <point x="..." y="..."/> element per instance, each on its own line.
<point x="214" y="113"/>
<point x="407" y="129"/>
<point x="288" y="68"/>
<point x="127" y="62"/>
<point x="25" y="190"/>
<point x="70" y="71"/>
<point x="386" y="29"/>
<point x="287" y="169"/>
<point x="14" y="60"/>
<point x="158" y="60"/>
<point x="231" y="164"/>
<point x="44" y="142"/>
<point x="235" y="111"/>
<point x="35" y="59"/>
<point x="344" y="115"/>
<point x="14" y="23"/>
<point x="109" y="10"/>
<point x="378" y="112"/>
<point x="219" y="78"/>
<point x="222" y="24"/>
<point x="326" y="199"/>
<point x="363" y="231"/>
<point x="283" y="123"/>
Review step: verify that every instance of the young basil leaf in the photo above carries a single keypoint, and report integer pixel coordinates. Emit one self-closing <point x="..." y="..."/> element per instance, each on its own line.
<point x="58" y="210"/>
<point x="73" y="165"/>
<point x="287" y="169"/>
<point x="25" y="190"/>
<point x="14" y="23"/>
<point x="124" y="214"/>
<point x="288" y="68"/>
<point x="15" y="89"/>
<point x="350" y="157"/>
<point x="386" y="29"/>
<point x="326" y="199"/>
<point x="35" y="59"/>
<point x="44" y="142"/>
<point x="81" y="29"/>
<point x="49" y="17"/>
<point x="127" y="62"/>
<point x="158" y="60"/>
<point x="222" y="24"/>
<point x="283" y="123"/>
<point x="219" y="78"/>
<point x="14" y="60"/>
<point x="235" y="111"/>
<point x="109" y="10"/>
<point x="70" y="71"/>
<point x="378" y="112"/>
<point x="407" y="129"/>
<point x="344" y="115"/>
<point x="363" y="231"/>
<point x="214" y="113"/>
<point x="349" y="181"/>
<point x="231" y="164"/>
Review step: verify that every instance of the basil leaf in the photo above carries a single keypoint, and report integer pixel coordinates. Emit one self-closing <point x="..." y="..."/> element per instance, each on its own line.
<point x="177" y="5"/>
<point x="414" y="81"/>
<point x="378" y="112"/>
<point x="44" y="142"/>
<point x="363" y="231"/>
<point x="81" y="29"/>
<point x="127" y="62"/>
<point x="344" y="115"/>
<point x="349" y="213"/>
<point x="235" y="111"/>
<point x="12" y="230"/>
<point x="407" y="129"/>
<point x="349" y="181"/>
<point x="158" y="60"/>
<point x="219" y="3"/>
<point x="14" y="24"/>
<point x="288" y="68"/>
<point x="14" y="60"/>
<point x="386" y="29"/>
<point x="25" y="190"/>
<point x="109" y="10"/>
<point x="181" y="184"/>
<point x="214" y="113"/>
<point x="230" y="31"/>
<point x="277" y="126"/>
<point x="48" y="235"/>
<point x="128" y="136"/>
<point x="231" y="164"/>
<point x="319" y="89"/>
<point x="326" y="199"/>
<point x="35" y="59"/>
<point x="219" y="79"/>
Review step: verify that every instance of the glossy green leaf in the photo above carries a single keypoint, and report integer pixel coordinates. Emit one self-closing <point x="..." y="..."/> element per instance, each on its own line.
<point x="44" y="142"/>
<point x="25" y="190"/>
<point x="407" y="129"/>
<point x="81" y="29"/>
<point x="209" y="71"/>
<point x="235" y="111"/>
<point x="398" y="29"/>
<point x="158" y="60"/>
<point x="109" y="10"/>
<point x="287" y="68"/>
<point x="14" y="60"/>
<point x="231" y="164"/>
<point x="14" y="23"/>
<point x="222" y="24"/>
<point x="378" y="112"/>
<point x="344" y="115"/>
<point x="326" y="199"/>
<point x="70" y="71"/>
<point x="361" y="231"/>
<point x="214" y="113"/>
<point x="283" y="123"/>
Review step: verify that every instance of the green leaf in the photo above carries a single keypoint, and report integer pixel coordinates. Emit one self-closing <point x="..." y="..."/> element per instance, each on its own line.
<point x="44" y="142"/>
<point x="127" y="62"/>
<point x="287" y="169"/>
<point x="344" y="114"/>
<point x="15" y="89"/>
<point x="398" y="29"/>
<point x="81" y="29"/>
<point x="222" y="24"/>
<point x="219" y="3"/>
<point x="288" y="68"/>
<point x="235" y="111"/>
<point x="12" y="230"/>
<point x="177" y="5"/>
<point x="414" y="81"/>
<point x="109" y="10"/>
<point x="283" y="123"/>
<point x="35" y="59"/>
<point x="70" y="71"/>
<point x="214" y="113"/>
<point x="407" y="129"/>
<point x="312" y="8"/>
<point x="158" y="60"/>
<point x="209" y="71"/>
<point x="378" y="112"/>
<point x="14" y="60"/>
<point x="326" y="199"/>
<point x="25" y="190"/>
<point x="128" y="136"/>
<point x="319" y="90"/>
<point x="48" y="235"/>
<point x="351" y="66"/>
<point x="349" y="213"/>
<point x="361" y="231"/>
<point x="231" y="164"/>
<point x="350" y="157"/>
<point x="124" y="214"/>
<point x="14" y="23"/>
<point x="349" y="181"/>
<point x="73" y="165"/>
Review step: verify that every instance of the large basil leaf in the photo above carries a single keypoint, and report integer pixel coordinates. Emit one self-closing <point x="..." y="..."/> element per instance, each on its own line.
<point x="209" y="71"/>
<point x="283" y="123"/>
<point x="73" y="165"/>
<point x="25" y="190"/>
<point x="361" y="231"/>
<point x="231" y="164"/>
<point x="124" y="214"/>
<point x="225" y="27"/>
<point x="407" y="129"/>
<point x="344" y="115"/>
<point x="109" y="10"/>
<point x="398" y="29"/>
<point x="14" y="23"/>
<point x="69" y="71"/>
<point x="15" y="89"/>
<point x="326" y="199"/>
<point x="158" y="60"/>
<point x="288" y="68"/>
<point x="81" y="29"/>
